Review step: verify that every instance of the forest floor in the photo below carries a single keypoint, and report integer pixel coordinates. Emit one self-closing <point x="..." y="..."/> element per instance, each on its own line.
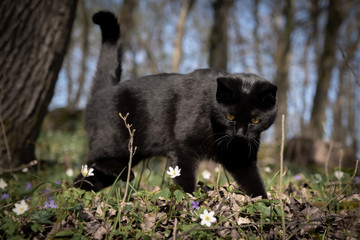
<point x="309" y="204"/>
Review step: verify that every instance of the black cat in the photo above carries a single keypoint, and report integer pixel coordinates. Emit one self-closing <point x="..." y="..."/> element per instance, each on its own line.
<point x="206" y="114"/>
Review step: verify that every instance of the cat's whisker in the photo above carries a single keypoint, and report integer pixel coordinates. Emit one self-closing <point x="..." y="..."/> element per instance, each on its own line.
<point x="256" y="143"/>
<point x="220" y="139"/>
<point x="223" y="144"/>
<point x="249" y="144"/>
<point x="228" y="142"/>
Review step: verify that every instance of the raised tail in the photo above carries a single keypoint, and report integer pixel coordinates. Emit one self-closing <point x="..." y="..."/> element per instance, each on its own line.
<point x="109" y="69"/>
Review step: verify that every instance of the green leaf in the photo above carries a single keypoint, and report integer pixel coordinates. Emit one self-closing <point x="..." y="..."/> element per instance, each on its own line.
<point x="42" y="216"/>
<point x="8" y="225"/>
<point x="146" y="237"/>
<point x="87" y="198"/>
<point x="36" y="227"/>
<point x="178" y="195"/>
<point x="64" y="234"/>
<point x="78" y="237"/>
<point x="188" y="227"/>
<point x="165" y="193"/>
<point x="167" y="232"/>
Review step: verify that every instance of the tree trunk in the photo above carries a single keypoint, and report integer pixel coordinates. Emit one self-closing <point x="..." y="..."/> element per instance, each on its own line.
<point x="218" y="35"/>
<point x="345" y="89"/>
<point x="324" y="70"/>
<point x="180" y="29"/>
<point x="282" y="62"/>
<point x="85" y="26"/>
<point x="257" y="40"/>
<point x="126" y="18"/>
<point x="33" y="39"/>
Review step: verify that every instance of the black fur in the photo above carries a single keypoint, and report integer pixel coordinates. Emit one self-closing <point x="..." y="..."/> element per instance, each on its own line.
<point x="182" y="116"/>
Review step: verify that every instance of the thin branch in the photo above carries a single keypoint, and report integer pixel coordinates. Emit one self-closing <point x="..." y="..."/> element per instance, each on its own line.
<point x="30" y="164"/>
<point x="349" y="65"/>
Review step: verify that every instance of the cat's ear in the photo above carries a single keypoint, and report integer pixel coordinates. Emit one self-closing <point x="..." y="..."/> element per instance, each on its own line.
<point x="267" y="94"/>
<point x="224" y="92"/>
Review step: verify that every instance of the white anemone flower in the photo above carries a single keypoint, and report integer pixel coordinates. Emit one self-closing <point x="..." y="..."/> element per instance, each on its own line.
<point x="174" y="172"/>
<point x="339" y="174"/>
<point x="267" y="169"/>
<point x="21" y="207"/>
<point x="87" y="172"/>
<point x="69" y="172"/>
<point x="207" y="218"/>
<point x="3" y="184"/>
<point x="206" y="174"/>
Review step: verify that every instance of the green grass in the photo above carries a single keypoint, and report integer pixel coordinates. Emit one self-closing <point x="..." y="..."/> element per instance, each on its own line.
<point x="315" y="206"/>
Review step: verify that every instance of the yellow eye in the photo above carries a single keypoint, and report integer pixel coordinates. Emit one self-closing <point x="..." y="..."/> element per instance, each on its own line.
<point x="230" y="117"/>
<point x="255" y="120"/>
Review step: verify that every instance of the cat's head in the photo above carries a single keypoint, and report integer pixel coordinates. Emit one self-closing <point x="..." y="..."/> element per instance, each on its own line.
<point x="247" y="105"/>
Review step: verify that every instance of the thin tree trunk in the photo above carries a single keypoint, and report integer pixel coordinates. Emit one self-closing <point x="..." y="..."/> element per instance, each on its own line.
<point x="344" y="86"/>
<point x="258" y="60"/>
<point x="282" y="62"/>
<point x="218" y="35"/>
<point x="33" y="39"/>
<point x="180" y="29"/>
<point x="85" y="53"/>
<point x="324" y="70"/>
<point x="127" y="22"/>
<point x="70" y="80"/>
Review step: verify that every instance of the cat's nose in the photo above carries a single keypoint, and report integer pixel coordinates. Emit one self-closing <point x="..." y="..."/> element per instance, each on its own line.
<point x="241" y="132"/>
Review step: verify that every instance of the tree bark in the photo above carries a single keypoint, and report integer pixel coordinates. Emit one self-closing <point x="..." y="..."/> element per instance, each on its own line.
<point x="324" y="69"/>
<point x="257" y="40"/>
<point x="180" y="29"/>
<point x="345" y="89"/>
<point x="218" y="35"/>
<point x="84" y="54"/>
<point x="282" y="63"/>
<point x="33" y="39"/>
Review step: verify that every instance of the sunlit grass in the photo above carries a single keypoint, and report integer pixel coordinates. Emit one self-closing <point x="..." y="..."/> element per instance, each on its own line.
<point x="47" y="189"/>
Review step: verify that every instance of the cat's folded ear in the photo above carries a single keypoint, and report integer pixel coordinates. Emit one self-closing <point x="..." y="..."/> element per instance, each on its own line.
<point x="267" y="94"/>
<point x="224" y="92"/>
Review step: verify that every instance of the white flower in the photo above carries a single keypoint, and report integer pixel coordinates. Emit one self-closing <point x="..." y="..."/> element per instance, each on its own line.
<point x="339" y="174"/>
<point x="206" y="174"/>
<point x="3" y="184"/>
<point x="267" y="169"/>
<point x="174" y="172"/>
<point x="21" y="207"/>
<point x="217" y="169"/>
<point x="87" y="172"/>
<point x="207" y="218"/>
<point x="69" y="172"/>
<point x="25" y="170"/>
<point x="243" y="221"/>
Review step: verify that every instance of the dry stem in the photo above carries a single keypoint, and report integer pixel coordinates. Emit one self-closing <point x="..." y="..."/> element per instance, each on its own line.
<point x="281" y="175"/>
<point x="132" y="151"/>
<point x="329" y="153"/>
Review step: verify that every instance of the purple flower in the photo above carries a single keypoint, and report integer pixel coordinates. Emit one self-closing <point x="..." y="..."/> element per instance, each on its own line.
<point x="28" y="186"/>
<point x="50" y="204"/>
<point x="195" y="205"/>
<point x="298" y="177"/>
<point x="5" y="196"/>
